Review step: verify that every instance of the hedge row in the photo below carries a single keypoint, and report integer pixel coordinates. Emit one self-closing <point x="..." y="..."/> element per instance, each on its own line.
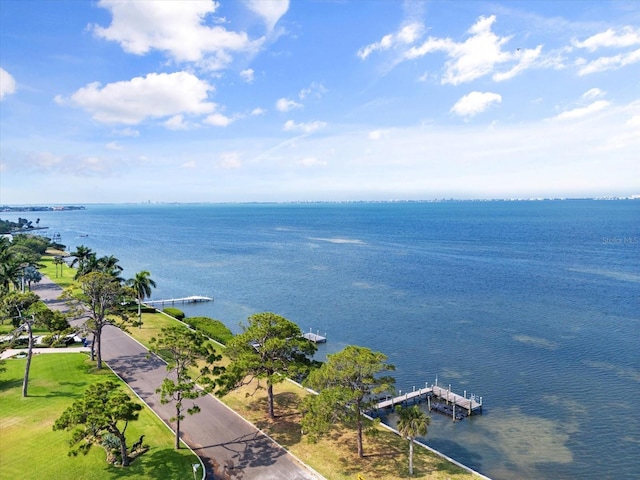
<point x="211" y="328"/>
<point x="214" y="329"/>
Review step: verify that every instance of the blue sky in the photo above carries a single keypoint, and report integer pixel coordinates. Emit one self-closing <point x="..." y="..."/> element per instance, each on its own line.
<point x="266" y="100"/>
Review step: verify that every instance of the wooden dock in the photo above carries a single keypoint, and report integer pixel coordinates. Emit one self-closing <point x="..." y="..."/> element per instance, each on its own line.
<point x="440" y="399"/>
<point x="315" y="337"/>
<point x="172" y="301"/>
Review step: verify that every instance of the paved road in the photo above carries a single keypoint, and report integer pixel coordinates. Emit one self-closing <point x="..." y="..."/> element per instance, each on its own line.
<point x="230" y="447"/>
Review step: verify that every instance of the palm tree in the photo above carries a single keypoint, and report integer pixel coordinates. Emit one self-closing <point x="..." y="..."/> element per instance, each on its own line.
<point x="11" y="271"/>
<point x="81" y="255"/>
<point x="141" y="284"/>
<point x="412" y="423"/>
<point x="109" y="265"/>
<point x="58" y="260"/>
<point x="89" y="264"/>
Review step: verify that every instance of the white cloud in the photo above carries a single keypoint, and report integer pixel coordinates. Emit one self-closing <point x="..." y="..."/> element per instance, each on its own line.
<point x="114" y="146"/>
<point x="284" y="105"/>
<point x="247" y="75"/>
<point x="610" y="63"/>
<point x="581" y="112"/>
<point x="258" y="111"/>
<point x="405" y="36"/>
<point x="218" y="120"/>
<point x="176" y="28"/>
<point x="154" y="96"/>
<point x="610" y="38"/>
<point x="230" y="161"/>
<point x="190" y="164"/>
<point x="526" y="59"/>
<point x="73" y="165"/>
<point x="127" y="132"/>
<point x="291" y="126"/>
<point x="316" y="90"/>
<point x="312" y="162"/>
<point x="270" y="10"/>
<point x="634" y="121"/>
<point x="477" y="56"/>
<point x="7" y="83"/>
<point x="378" y="134"/>
<point x="475" y="102"/>
<point x="176" y="123"/>
<point x="592" y="93"/>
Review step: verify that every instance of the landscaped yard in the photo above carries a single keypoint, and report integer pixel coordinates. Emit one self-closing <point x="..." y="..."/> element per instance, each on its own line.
<point x="30" y="449"/>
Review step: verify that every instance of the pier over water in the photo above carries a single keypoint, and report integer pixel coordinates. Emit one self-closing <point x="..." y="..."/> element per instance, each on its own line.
<point x="172" y="301"/>
<point x="438" y="399"/>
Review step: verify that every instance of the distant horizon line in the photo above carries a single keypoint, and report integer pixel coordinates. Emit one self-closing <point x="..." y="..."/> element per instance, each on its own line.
<point x="289" y="202"/>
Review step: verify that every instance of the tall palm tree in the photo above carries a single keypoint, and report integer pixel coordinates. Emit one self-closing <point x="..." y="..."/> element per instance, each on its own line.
<point x="89" y="264"/>
<point x="412" y="423"/>
<point x="58" y="260"/>
<point x="141" y="284"/>
<point x="109" y="265"/>
<point x="10" y="274"/>
<point x="81" y="255"/>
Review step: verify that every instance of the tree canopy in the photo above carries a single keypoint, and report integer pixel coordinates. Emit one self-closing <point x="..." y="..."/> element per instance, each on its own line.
<point x="105" y="299"/>
<point x="270" y="348"/>
<point x="347" y="383"/>
<point x="103" y="409"/>
<point x="183" y="349"/>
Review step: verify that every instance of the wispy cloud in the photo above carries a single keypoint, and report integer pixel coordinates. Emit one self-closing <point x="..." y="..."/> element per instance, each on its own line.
<point x="285" y="104"/>
<point x="308" y="127"/>
<point x="581" y="112"/>
<point x="474" y="103"/>
<point x="609" y="63"/>
<point x="7" y="83"/>
<point x="269" y="10"/>
<point x="407" y="35"/>
<point x="247" y="75"/>
<point x="625" y="37"/>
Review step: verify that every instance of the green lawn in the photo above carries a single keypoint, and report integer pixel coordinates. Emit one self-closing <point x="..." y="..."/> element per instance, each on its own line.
<point x="61" y="274"/>
<point x="30" y="449"/>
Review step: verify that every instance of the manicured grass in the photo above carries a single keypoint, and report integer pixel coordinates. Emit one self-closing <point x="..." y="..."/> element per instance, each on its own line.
<point x="64" y="275"/>
<point x="31" y="449"/>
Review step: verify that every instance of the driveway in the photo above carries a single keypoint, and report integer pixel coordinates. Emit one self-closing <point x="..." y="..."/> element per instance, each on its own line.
<point x="229" y="446"/>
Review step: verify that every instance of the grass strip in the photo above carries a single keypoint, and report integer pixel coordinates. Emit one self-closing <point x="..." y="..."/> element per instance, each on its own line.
<point x="31" y="449"/>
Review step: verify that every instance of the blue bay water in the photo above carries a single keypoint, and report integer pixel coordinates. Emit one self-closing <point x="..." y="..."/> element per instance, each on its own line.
<point x="535" y="306"/>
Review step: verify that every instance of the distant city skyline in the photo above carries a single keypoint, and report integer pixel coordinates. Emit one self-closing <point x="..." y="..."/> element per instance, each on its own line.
<point x="276" y="101"/>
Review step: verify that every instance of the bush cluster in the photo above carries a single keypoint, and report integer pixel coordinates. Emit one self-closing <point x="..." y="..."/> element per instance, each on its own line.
<point x="214" y="329"/>
<point x="174" y="312"/>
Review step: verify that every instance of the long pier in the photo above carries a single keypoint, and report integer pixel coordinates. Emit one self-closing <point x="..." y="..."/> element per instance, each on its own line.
<point x="440" y="399"/>
<point x="172" y="301"/>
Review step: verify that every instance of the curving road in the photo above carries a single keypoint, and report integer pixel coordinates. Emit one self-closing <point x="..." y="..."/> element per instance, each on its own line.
<point x="229" y="446"/>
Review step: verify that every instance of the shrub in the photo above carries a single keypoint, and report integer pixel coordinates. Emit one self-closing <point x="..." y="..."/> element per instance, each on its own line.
<point x="174" y="312"/>
<point x="211" y="328"/>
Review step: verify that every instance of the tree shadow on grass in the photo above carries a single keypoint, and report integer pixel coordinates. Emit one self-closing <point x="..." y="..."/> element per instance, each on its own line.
<point x="285" y="428"/>
<point x="10" y="384"/>
<point x="166" y="464"/>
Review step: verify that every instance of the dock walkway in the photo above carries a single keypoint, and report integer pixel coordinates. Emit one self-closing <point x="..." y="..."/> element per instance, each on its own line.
<point x="191" y="299"/>
<point x="434" y="395"/>
<point x="315" y="337"/>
